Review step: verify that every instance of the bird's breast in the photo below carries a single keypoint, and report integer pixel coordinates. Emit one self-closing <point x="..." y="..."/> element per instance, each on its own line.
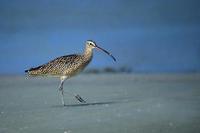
<point x="77" y="67"/>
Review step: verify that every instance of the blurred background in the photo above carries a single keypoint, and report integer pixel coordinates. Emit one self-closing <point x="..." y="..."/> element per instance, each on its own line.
<point x="144" y="35"/>
<point x="149" y="38"/>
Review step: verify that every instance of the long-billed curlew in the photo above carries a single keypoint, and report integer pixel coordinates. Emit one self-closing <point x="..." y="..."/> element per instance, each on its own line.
<point x="67" y="66"/>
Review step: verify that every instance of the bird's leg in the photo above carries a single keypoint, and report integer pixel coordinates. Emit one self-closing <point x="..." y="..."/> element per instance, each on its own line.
<point x="79" y="98"/>
<point x="62" y="91"/>
<point x="68" y="92"/>
<point x="76" y="96"/>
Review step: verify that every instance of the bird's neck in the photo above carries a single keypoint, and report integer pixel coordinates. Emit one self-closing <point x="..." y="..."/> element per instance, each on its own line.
<point x="88" y="53"/>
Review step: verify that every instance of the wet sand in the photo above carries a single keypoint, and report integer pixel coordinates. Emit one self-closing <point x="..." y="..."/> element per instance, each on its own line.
<point x="119" y="103"/>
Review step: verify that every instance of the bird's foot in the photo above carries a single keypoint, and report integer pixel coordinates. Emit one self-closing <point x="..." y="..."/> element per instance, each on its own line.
<point x="80" y="99"/>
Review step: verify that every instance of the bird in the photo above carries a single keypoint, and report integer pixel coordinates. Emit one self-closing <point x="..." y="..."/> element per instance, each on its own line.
<point x="68" y="66"/>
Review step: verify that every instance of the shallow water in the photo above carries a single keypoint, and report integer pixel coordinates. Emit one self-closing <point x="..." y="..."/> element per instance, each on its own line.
<point x="117" y="103"/>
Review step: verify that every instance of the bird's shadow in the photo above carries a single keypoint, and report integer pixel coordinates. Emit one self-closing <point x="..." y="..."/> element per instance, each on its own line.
<point x="86" y="104"/>
<point x="96" y="103"/>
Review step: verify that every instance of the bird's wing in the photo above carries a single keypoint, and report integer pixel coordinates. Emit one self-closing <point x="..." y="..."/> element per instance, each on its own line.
<point x="55" y="67"/>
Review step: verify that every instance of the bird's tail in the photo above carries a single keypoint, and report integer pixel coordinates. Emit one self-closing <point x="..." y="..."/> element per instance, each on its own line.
<point x="34" y="71"/>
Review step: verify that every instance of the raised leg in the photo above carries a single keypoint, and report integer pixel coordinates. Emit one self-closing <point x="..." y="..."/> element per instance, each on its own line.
<point x="62" y="79"/>
<point x="79" y="99"/>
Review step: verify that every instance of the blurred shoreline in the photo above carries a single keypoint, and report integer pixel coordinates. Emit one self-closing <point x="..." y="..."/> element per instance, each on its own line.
<point x="136" y="76"/>
<point x="120" y="70"/>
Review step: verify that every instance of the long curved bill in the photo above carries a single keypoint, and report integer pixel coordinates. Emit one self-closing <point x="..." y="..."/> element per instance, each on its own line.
<point x="106" y="52"/>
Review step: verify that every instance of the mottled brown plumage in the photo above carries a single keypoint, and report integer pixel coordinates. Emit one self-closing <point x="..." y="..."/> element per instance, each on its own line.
<point x="67" y="66"/>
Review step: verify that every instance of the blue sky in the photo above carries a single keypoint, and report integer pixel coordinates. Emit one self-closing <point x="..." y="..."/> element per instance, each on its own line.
<point x="146" y="35"/>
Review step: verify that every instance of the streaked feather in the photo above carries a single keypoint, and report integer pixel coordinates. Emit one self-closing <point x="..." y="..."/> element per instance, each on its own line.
<point x="65" y="65"/>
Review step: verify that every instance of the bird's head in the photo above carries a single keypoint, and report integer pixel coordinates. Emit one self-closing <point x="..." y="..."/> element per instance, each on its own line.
<point x="91" y="45"/>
